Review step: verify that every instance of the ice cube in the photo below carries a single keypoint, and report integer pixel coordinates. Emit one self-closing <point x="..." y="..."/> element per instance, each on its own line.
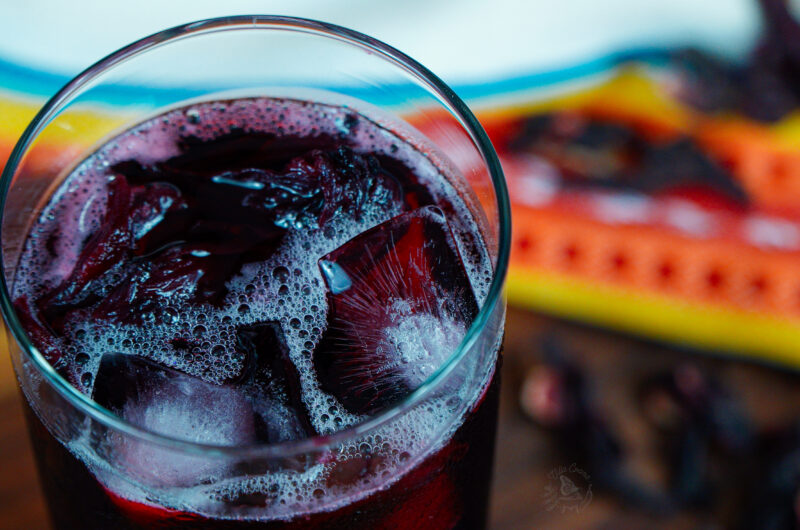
<point x="174" y="404"/>
<point x="106" y="248"/>
<point x="272" y="385"/>
<point x="400" y="302"/>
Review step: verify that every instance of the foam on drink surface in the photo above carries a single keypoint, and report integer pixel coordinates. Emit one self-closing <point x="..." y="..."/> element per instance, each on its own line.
<point x="286" y="288"/>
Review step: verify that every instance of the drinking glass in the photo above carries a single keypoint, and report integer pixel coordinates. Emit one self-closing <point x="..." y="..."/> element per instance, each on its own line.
<point x="444" y="481"/>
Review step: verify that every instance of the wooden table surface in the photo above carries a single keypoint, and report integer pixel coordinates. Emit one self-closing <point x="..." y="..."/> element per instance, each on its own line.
<point x="524" y="454"/>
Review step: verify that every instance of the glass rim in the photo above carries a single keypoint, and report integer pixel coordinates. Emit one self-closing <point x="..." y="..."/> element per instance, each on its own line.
<point x="302" y="25"/>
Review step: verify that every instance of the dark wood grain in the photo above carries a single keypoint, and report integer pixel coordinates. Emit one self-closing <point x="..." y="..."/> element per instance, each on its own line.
<point x="525" y="455"/>
<point x="21" y="503"/>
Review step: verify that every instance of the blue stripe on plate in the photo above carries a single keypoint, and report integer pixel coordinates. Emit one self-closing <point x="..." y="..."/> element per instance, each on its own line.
<point x="27" y="81"/>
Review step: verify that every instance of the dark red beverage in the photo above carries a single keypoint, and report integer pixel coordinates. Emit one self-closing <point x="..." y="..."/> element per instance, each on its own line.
<point x="257" y="272"/>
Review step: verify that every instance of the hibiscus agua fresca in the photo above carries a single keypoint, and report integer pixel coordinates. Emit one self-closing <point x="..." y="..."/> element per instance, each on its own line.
<point x="252" y="272"/>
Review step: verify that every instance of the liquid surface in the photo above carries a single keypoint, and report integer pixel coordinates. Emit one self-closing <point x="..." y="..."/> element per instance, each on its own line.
<point x="255" y="271"/>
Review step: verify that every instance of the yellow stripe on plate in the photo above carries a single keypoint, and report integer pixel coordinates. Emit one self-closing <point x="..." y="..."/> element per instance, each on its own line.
<point x="81" y="128"/>
<point x="754" y="335"/>
<point x="630" y="90"/>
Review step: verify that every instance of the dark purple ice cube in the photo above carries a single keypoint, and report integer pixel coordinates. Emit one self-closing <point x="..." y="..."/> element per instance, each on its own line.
<point x="172" y="403"/>
<point x="106" y="249"/>
<point x="272" y="384"/>
<point x="400" y="302"/>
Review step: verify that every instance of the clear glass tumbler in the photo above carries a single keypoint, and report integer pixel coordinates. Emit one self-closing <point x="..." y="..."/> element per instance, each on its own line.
<point x="445" y="476"/>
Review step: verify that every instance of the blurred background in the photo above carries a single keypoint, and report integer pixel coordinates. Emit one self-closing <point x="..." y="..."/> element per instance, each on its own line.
<point x="652" y="151"/>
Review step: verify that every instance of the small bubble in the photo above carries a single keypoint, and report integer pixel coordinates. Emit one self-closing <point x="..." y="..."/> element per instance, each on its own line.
<point x="244" y="309"/>
<point x="284" y="290"/>
<point x="280" y="273"/>
<point x="199" y="330"/>
<point x="295" y="323"/>
<point x="86" y="379"/>
<point x="453" y="402"/>
<point x="171" y="314"/>
<point x="81" y="359"/>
